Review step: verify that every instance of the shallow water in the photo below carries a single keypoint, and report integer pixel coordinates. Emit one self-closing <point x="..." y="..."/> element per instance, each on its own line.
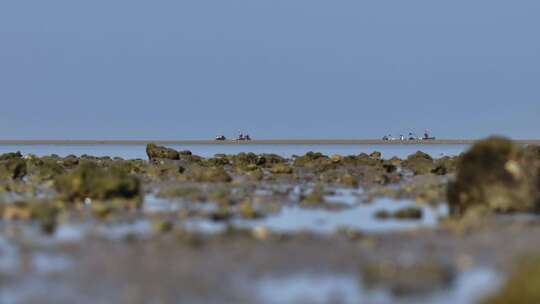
<point x="469" y="287"/>
<point x="206" y="150"/>
<point x="360" y="217"/>
<point x="292" y="218"/>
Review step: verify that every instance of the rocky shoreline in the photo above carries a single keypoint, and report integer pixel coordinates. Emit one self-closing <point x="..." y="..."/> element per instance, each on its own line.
<point x="182" y="228"/>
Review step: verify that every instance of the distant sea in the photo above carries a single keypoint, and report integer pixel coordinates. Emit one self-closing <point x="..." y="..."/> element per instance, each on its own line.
<point x="207" y="150"/>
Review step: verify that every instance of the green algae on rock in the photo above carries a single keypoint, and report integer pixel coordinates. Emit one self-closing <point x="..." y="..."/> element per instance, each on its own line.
<point x="211" y="175"/>
<point x="162" y="226"/>
<point x="495" y="173"/>
<point x="164" y="169"/>
<point x="246" y="210"/>
<point x="408" y="213"/>
<point x="89" y="180"/>
<point x="522" y="285"/>
<point x="406" y="279"/>
<point x="281" y="169"/>
<point x="12" y="166"/>
<point x="44" y="212"/>
<point x="419" y="163"/>
<point x="46" y="168"/>
<point x="11" y="155"/>
<point x="153" y="151"/>
<point x="315" y="197"/>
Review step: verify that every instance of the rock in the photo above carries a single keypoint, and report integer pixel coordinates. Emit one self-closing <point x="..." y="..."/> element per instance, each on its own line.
<point x="445" y="165"/>
<point x="497" y="174"/>
<point x="89" y="180"/>
<point x="244" y="159"/>
<point x="71" y="161"/>
<point x="389" y="168"/>
<point x="269" y="159"/>
<point x="12" y="168"/>
<point x="165" y="169"/>
<point x="376" y="155"/>
<point x="409" y="213"/>
<point x="213" y="175"/>
<point x="162" y="226"/>
<point x="255" y="175"/>
<point x="349" y="180"/>
<point x="533" y="151"/>
<point x="154" y="152"/>
<point x="185" y="153"/>
<point x="383" y="214"/>
<point x="315" y="197"/>
<point x="260" y="233"/>
<point x="281" y="169"/>
<point x="406" y="279"/>
<point x="216" y="162"/>
<point x="46" y="168"/>
<point x="309" y="158"/>
<point x="419" y="163"/>
<point x="42" y="211"/>
<point x="395" y="161"/>
<point x="440" y="170"/>
<point x="11" y="155"/>
<point x="336" y="158"/>
<point x="247" y="211"/>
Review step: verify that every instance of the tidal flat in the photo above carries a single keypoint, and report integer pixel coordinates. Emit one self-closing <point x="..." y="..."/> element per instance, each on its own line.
<point x="458" y="224"/>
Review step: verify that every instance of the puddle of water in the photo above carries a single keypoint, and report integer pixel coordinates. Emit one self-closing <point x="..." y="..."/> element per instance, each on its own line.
<point x="292" y="218"/>
<point x="111" y="231"/>
<point x="39" y="290"/>
<point x="362" y="217"/>
<point x="153" y="204"/>
<point x="70" y="232"/>
<point x="349" y="197"/>
<point x="45" y="263"/>
<point x="9" y="256"/>
<point x="470" y="287"/>
<point x="305" y="288"/>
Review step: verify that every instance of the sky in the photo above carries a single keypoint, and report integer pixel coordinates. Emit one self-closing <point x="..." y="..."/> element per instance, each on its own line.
<point x="193" y="69"/>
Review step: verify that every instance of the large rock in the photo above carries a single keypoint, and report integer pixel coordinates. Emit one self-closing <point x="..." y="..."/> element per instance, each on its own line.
<point x="497" y="174"/>
<point x="154" y="151"/>
<point x="12" y="166"/>
<point x="420" y="163"/>
<point x="89" y="180"/>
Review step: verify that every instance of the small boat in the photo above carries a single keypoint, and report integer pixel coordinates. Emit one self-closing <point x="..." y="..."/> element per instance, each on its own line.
<point x="221" y="137"/>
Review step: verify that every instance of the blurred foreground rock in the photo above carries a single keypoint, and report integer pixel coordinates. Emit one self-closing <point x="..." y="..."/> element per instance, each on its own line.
<point x="497" y="174"/>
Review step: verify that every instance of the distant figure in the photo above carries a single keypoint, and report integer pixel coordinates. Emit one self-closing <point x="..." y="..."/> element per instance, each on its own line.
<point x="247" y="137"/>
<point x="385" y="138"/>
<point x="221" y="137"/>
<point x="427" y="137"/>
<point x="401" y="137"/>
<point x="241" y="136"/>
<point x="412" y="136"/>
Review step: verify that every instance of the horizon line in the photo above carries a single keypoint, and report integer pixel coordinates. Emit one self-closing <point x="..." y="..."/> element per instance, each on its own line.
<point x="236" y="142"/>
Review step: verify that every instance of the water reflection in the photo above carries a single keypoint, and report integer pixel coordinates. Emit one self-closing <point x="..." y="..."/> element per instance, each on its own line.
<point x="469" y="287"/>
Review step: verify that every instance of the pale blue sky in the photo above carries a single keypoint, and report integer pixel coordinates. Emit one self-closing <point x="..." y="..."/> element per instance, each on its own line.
<point x="277" y="69"/>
